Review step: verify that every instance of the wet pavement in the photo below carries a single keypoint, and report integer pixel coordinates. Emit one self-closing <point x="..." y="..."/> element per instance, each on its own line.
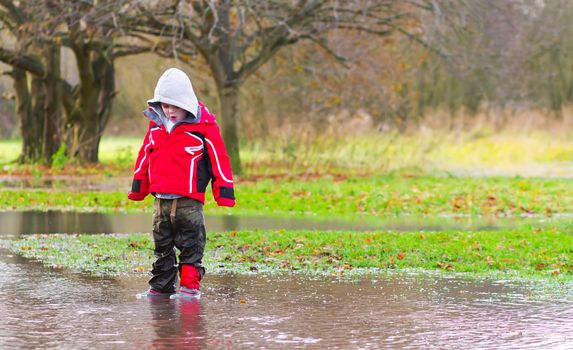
<point x="42" y="308"/>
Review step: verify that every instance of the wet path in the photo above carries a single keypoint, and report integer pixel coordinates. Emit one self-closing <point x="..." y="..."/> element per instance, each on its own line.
<point x="47" y="309"/>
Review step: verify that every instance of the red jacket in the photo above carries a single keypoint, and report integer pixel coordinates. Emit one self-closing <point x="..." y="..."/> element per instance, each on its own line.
<point x="184" y="161"/>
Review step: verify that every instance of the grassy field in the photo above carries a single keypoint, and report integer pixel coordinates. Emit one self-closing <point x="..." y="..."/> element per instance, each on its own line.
<point x="367" y="178"/>
<point x="375" y="196"/>
<point x="469" y="153"/>
<point x="526" y="253"/>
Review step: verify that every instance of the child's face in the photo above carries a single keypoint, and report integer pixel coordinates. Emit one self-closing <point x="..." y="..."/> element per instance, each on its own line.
<point x="173" y="113"/>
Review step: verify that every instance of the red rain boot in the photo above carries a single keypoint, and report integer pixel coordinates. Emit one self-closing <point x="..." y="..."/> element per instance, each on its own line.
<point x="190" y="277"/>
<point x="190" y="282"/>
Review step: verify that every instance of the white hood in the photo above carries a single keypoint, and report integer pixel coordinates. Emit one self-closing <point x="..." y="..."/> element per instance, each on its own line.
<point x="174" y="87"/>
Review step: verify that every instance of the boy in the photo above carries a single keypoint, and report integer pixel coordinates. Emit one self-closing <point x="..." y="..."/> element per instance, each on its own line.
<point x="181" y="152"/>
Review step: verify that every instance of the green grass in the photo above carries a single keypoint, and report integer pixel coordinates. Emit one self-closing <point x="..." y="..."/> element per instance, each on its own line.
<point x="376" y="196"/>
<point x="9" y="150"/>
<point x="120" y="150"/>
<point x="518" y="253"/>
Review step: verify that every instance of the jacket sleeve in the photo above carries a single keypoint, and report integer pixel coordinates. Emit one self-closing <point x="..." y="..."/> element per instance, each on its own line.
<point x="221" y="173"/>
<point x="140" y="184"/>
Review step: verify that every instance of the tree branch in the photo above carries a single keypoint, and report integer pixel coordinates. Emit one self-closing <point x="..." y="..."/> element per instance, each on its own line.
<point x="28" y="63"/>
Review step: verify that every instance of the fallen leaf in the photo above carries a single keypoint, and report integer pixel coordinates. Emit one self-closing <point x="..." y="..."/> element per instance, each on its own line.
<point x="445" y="266"/>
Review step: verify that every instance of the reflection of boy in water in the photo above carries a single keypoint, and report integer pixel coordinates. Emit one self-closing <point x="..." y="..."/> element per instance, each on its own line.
<point x="183" y="330"/>
<point x="182" y="152"/>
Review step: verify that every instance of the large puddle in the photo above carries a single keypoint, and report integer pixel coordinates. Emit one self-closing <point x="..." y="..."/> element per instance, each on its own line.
<point x="26" y="222"/>
<point x="42" y="308"/>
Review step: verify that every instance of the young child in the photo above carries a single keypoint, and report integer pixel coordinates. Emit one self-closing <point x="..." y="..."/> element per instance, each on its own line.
<point x="182" y="151"/>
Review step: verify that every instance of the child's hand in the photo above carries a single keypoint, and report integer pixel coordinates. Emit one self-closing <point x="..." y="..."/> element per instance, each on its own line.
<point x="225" y="202"/>
<point x="136" y="196"/>
<point x="139" y="189"/>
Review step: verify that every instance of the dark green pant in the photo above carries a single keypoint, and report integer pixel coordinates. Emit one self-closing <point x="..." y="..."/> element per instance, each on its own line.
<point x="177" y="223"/>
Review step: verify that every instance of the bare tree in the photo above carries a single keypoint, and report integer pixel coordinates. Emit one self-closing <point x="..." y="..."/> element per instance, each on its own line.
<point x="237" y="37"/>
<point x="50" y="108"/>
<point x="96" y="41"/>
<point x="35" y="111"/>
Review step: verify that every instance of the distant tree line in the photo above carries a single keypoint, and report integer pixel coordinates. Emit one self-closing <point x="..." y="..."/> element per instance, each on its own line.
<point x="458" y="54"/>
<point x="508" y="54"/>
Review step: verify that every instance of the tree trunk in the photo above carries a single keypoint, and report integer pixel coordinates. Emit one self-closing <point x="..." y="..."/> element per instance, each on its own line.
<point x="52" y="103"/>
<point x="31" y="129"/>
<point x="85" y="133"/>
<point x="89" y="140"/>
<point x="229" y="100"/>
<point x="96" y="108"/>
<point x="92" y="105"/>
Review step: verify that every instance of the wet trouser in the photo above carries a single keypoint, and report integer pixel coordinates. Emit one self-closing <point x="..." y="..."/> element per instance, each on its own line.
<point x="177" y="223"/>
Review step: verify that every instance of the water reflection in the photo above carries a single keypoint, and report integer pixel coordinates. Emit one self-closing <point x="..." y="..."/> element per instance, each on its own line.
<point x="14" y="223"/>
<point x="177" y="324"/>
<point x="28" y="222"/>
<point x="42" y="308"/>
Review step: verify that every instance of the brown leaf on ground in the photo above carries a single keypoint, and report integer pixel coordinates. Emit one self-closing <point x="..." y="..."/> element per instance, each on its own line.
<point x="458" y="203"/>
<point x="445" y="266"/>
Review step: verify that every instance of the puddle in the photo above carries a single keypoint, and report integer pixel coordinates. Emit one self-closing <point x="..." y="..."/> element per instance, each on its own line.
<point x="48" y="309"/>
<point x="29" y="222"/>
